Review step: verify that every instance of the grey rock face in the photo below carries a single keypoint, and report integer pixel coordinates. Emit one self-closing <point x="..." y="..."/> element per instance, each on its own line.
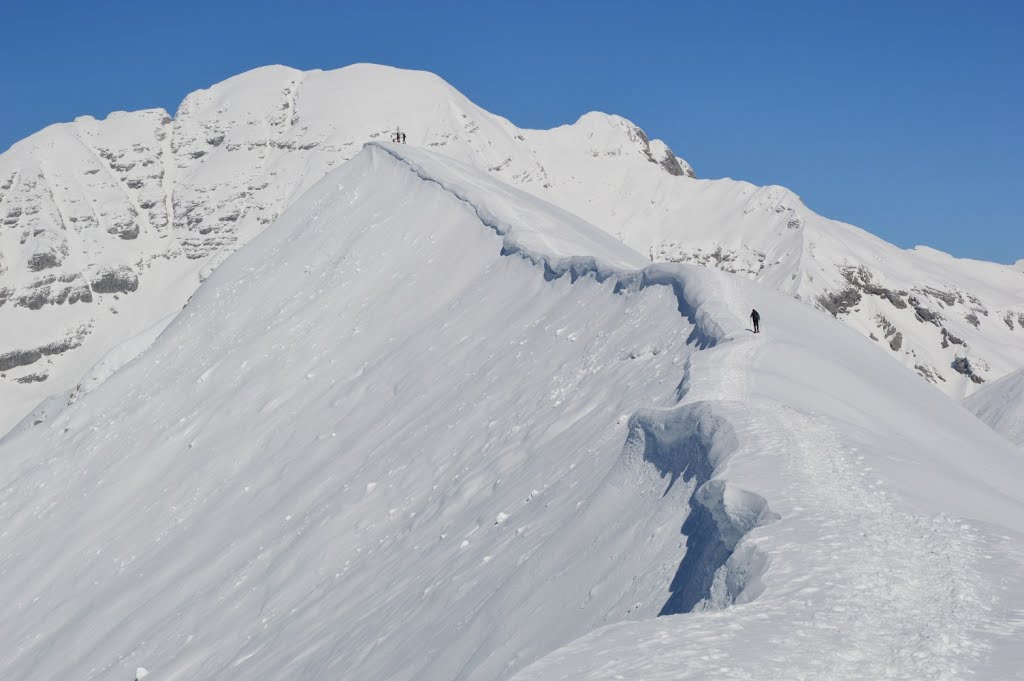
<point x="950" y="298"/>
<point x="862" y="279"/>
<point x="962" y="365"/>
<point x="838" y="302"/>
<point x="18" y="358"/>
<point x="43" y="261"/>
<point x="670" y="163"/>
<point x="949" y="339"/>
<point x="897" y="341"/>
<point x="115" y="280"/>
<point x="54" y="290"/>
<point x="923" y="314"/>
<point x="928" y="374"/>
<point x="887" y="327"/>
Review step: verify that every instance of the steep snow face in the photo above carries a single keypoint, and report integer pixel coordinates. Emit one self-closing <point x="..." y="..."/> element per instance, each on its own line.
<point x="427" y="426"/>
<point x="1001" y="406"/>
<point x="108" y="226"/>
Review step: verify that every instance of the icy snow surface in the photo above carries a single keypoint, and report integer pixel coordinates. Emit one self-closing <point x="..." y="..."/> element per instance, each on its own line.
<point x="428" y="427"/>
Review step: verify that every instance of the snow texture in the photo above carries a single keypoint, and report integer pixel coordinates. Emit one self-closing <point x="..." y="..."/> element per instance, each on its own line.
<point x="427" y="426"/>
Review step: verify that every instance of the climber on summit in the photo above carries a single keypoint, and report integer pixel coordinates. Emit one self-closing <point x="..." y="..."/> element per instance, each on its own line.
<point x="756" y="318"/>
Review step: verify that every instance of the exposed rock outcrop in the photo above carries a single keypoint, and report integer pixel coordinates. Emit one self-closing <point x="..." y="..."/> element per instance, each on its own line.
<point x="839" y="302"/>
<point x="54" y="290"/>
<point x="23" y="357"/>
<point x="115" y="280"/>
<point x="949" y="339"/>
<point x="962" y="365"/>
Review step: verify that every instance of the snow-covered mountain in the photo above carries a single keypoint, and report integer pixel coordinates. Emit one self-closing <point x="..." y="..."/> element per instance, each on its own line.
<point x="427" y="426"/>
<point x="109" y="226"/>
<point x="1001" y="406"/>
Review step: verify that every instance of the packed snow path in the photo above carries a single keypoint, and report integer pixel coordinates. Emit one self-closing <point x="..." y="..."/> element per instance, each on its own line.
<point x="406" y="436"/>
<point x="904" y="593"/>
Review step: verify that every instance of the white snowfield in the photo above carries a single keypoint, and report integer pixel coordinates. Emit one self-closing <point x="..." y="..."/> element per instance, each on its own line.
<point x="1001" y="406"/>
<point x="108" y="226"/>
<point x="426" y="426"/>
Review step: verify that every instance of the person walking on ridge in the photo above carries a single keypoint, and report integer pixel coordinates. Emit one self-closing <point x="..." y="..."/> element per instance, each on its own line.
<point x="756" y="318"/>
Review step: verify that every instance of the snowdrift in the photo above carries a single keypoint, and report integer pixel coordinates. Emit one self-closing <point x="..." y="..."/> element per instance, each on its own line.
<point x="426" y="426"/>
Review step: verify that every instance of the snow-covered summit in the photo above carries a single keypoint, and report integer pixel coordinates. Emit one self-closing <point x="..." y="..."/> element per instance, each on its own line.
<point x="107" y="226"/>
<point x="428" y="426"/>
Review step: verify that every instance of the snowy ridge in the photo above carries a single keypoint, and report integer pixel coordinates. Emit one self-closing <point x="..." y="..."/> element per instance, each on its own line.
<point x="933" y="629"/>
<point x="557" y="241"/>
<point x="691" y="440"/>
<point x="374" y="384"/>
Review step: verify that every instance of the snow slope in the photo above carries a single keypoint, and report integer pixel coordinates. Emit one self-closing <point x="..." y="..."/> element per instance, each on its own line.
<point x="108" y="226"/>
<point x="426" y="426"/>
<point x="1001" y="406"/>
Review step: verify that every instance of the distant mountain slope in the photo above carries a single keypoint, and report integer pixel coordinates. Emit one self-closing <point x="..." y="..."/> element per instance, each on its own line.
<point x="427" y="426"/>
<point x="107" y="227"/>
<point x="1001" y="406"/>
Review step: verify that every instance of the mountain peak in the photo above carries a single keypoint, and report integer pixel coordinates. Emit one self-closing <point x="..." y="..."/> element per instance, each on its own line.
<point x="103" y="217"/>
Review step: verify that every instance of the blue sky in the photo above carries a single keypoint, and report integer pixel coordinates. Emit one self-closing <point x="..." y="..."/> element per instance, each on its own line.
<point x="904" y="118"/>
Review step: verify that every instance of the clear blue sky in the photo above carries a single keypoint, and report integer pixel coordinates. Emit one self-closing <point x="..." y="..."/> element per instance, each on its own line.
<point x="901" y="117"/>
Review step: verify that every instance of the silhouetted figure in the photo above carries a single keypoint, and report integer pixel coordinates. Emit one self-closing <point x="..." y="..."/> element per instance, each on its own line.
<point x="403" y="138"/>
<point x="756" y="318"/>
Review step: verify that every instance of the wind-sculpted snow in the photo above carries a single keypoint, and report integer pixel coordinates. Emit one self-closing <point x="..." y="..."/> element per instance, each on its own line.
<point x="562" y="243"/>
<point x="387" y="440"/>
